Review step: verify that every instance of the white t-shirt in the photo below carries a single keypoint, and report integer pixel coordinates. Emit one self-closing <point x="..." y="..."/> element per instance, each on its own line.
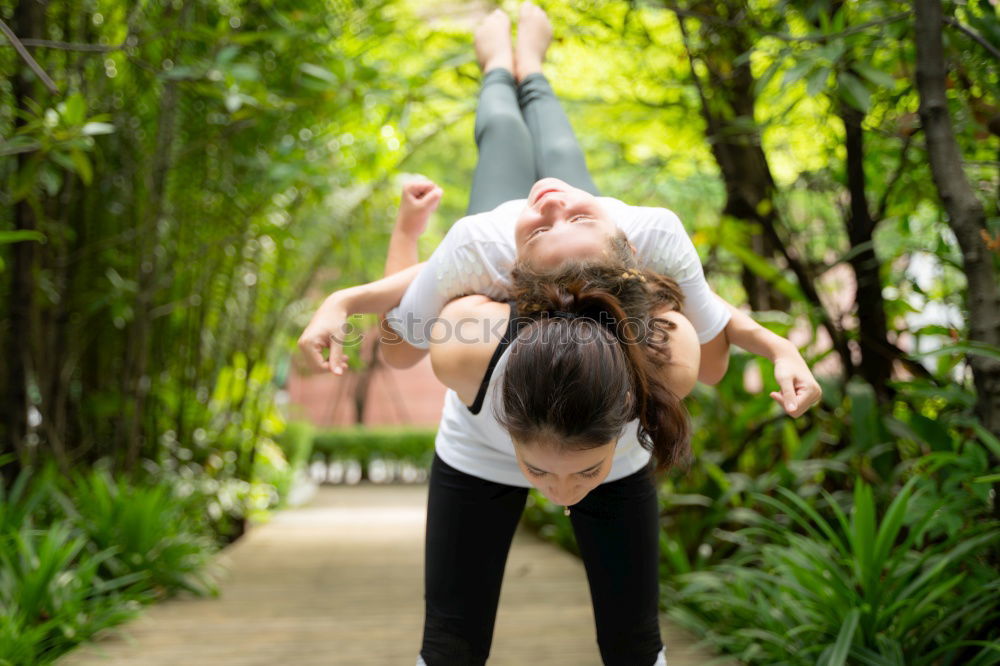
<point x="476" y="257"/>
<point x="478" y="252"/>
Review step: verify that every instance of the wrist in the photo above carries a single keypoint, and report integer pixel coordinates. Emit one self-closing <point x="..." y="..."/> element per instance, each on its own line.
<point x="338" y="302"/>
<point x="783" y="348"/>
<point x="411" y="225"/>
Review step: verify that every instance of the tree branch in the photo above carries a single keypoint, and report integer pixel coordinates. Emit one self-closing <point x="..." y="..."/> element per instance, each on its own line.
<point x="972" y="34"/>
<point x="23" y="52"/>
<point x="861" y="27"/>
<point x="72" y="46"/>
<point x="883" y="203"/>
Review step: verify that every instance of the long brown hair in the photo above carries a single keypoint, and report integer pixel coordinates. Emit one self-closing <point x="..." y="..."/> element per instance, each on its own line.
<point x="590" y="358"/>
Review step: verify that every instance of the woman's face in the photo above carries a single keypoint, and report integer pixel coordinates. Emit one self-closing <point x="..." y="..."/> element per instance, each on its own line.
<point x="560" y="222"/>
<point x="564" y="477"/>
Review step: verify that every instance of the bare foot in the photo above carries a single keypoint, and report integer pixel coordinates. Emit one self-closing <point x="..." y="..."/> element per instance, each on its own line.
<point x="493" y="44"/>
<point x="534" y="34"/>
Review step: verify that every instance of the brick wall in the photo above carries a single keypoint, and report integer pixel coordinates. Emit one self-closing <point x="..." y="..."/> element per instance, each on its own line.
<point x="412" y="396"/>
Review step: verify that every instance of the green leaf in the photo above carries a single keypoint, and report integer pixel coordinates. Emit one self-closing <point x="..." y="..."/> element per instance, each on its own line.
<point x="21" y="236"/>
<point x="797" y="72"/>
<point x="875" y="75"/>
<point x="853" y="91"/>
<point x="862" y="536"/>
<point x="82" y="166"/>
<point x="93" y="129"/>
<point x="816" y="82"/>
<point x="182" y="72"/>
<point x="50" y="178"/>
<point x="227" y="54"/>
<point x="841" y="648"/>
<point x="864" y="415"/>
<point x="319" y="73"/>
<point x="892" y="523"/>
<point x="74" y="109"/>
<point x="973" y="347"/>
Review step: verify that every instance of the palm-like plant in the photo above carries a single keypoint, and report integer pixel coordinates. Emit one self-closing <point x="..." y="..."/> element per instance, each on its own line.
<point x="877" y="592"/>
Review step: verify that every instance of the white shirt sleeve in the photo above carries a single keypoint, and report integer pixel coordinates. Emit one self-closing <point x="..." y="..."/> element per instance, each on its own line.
<point x="467" y="261"/>
<point x="664" y="246"/>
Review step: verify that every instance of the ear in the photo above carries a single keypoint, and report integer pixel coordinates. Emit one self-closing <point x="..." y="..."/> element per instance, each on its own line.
<point x="632" y="245"/>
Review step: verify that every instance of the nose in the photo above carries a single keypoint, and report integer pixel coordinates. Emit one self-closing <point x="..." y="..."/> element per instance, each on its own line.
<point x="563" y="493"/>
<point x="551" y="202"/>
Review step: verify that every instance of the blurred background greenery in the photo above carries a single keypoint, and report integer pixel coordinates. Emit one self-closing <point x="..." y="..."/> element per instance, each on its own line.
<point x="182" y="178"/>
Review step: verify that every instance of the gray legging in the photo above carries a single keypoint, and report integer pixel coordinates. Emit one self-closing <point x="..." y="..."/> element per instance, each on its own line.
<point x="523" y="135"/>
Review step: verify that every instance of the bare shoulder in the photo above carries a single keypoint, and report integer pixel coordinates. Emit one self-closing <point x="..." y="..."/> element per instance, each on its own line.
<point x="685" y="352"/>
<point x="463" y="306"/>
<point x="463" y="340"/>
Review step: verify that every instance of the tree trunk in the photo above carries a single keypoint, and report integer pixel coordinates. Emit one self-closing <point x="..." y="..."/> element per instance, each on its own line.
<point x="965" y="212"/>
<point x="28" y="23"/>
<point x="364" y="380"/>
<point x="965" y="215"/>
<point x="142" y="335"/>
<point x="876" y="352"/>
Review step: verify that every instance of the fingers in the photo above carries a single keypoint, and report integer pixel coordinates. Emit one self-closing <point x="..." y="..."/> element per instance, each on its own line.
<point x="341" y="366"/>
<point x="780" y="399"/>
<point x="419" y="189"/>
<point x="433" y="197"/>
<point x="788" y="400"/>
<point x="800" y="401"/>
<point x="808" y="395"/>
<point x="313" y="351"/>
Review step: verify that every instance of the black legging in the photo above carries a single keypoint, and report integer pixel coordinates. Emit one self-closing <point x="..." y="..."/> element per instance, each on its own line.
<point x="522" y="135"/>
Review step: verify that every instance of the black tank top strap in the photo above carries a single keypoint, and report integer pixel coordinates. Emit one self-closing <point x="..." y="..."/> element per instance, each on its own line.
<point x="508" y="337"/>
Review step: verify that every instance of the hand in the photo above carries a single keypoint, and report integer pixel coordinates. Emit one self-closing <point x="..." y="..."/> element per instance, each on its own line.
<point x="328" y="328"/>
<point x="419" y="199"/>
<point x="799" y="390"/>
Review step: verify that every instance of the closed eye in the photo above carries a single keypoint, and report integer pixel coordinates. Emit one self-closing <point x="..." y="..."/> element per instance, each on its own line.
<point x="572" y="219"/>
<point x="592" y="474"/>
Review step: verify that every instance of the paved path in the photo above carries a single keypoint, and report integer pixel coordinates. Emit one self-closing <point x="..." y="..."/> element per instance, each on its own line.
<point x="339" y="582"/>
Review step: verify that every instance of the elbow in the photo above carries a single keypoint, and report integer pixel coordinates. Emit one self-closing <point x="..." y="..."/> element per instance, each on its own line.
<point x="399" y="354"/>
<point x="712" y="370"/>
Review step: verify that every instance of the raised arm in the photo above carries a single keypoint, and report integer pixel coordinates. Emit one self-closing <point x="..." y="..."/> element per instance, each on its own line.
<point x="418" y="201"/>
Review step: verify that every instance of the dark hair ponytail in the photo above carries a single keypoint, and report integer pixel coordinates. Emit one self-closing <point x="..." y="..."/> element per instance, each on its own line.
<point x="590" y="358"/>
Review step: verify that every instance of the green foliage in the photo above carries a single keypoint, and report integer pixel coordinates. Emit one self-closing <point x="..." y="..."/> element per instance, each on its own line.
<point x="83" y="552"/>
<point x="403" y="444"/>
<point x="198" y="186"/>
<point x="877" y="589"/>
<point x="147" y="526"/>
<point x="52" y="595"/>
<point x="297" y="443"/>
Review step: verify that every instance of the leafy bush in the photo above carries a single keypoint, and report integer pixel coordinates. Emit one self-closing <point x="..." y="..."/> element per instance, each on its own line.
<point x="52" y="594"/>
<point x="297" y="443"/>
<point x="148" y="528"/>
<point x="877" y="592"/>
<point x="413" y="445"/>
<point x="84" y="552"/>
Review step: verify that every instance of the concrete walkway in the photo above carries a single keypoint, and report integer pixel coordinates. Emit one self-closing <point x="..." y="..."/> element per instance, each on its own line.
<point x="340" y="582"/>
